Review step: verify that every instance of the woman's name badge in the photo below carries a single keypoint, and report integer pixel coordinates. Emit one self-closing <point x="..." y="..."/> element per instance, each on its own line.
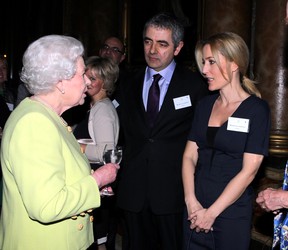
<point x="182" y="102"/>
<point x="238" y="124"/>
<point x="115" y="103"/>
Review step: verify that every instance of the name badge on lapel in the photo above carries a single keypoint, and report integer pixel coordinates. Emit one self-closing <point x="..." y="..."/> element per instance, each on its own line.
<point x="238" y="124"/>
<point x="182" y="102"/>
<point x="115" y="103"/>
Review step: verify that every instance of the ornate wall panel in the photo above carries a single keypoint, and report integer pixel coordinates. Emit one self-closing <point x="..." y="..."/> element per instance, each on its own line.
<point x="92" y="21"/>
<point x="223" y="15"/>
<point x="270" y="68"/>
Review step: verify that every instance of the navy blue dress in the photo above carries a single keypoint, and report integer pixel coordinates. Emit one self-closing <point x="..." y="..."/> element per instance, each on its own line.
<point x="220" y="157"/>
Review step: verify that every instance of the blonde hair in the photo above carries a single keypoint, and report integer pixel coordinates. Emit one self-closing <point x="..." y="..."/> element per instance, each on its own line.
<point x="234" y="49"/>
<point x="106" y="69"/>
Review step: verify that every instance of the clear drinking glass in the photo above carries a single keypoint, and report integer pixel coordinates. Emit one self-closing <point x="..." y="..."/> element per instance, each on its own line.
<point x="111" y="155"/>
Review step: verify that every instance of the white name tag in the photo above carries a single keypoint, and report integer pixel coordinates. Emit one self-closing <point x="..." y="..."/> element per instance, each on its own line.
<point x="182" y="102"/>
<point x="238" y="124"/>
<point x="10" y="106"/>
<point x="115" y="103"/>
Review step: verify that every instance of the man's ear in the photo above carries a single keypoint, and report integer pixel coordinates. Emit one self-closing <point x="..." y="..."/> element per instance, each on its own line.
<point x="178" y="48"/>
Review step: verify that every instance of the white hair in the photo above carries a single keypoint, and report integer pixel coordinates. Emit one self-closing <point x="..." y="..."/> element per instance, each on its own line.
<point x="49" y="60"/>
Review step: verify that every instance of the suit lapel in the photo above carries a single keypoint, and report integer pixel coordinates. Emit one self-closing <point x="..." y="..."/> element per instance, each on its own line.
<point x="137" y="95"/>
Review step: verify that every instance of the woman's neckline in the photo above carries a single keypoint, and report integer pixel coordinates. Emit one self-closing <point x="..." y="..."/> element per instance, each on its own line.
<point x="96" y="101"/>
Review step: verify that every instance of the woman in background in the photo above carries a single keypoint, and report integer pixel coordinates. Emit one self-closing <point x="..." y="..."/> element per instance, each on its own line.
<point x="6" y="89"/>
<point x="102" y="122"/>
<point x="102" y="126"/>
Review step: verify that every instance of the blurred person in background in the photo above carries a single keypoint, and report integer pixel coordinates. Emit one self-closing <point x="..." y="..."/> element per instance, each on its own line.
<point x="114" y="49"/>
<point x="6" y="88"/>
<point x="22" y="93"/>
<point x="102" y="127"/>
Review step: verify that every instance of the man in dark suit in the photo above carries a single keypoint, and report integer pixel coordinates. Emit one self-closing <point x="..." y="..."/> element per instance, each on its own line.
<point x="150" y="190"/>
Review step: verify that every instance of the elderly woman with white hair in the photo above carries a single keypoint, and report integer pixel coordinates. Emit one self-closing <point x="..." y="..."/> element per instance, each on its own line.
<point x="49" y="191"/>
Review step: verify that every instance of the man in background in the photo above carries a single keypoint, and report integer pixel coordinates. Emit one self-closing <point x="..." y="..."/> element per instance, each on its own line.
<point x="113" y="48"/>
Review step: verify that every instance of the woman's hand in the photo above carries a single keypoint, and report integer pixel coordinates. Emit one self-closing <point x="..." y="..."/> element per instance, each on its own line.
<point x="105" y="174"/>
<point x="195" y="206"/>
<point x="202" y="220"/>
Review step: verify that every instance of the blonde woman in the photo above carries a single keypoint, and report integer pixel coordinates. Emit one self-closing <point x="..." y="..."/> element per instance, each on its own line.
<point x="102" y="127"/>
<point x="228" y="140"/>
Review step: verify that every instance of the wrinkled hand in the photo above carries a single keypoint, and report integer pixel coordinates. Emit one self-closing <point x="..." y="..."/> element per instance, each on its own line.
<point x="202" y="220"/>
<point x="272" y="199"/>
<point x="106" y="174"/>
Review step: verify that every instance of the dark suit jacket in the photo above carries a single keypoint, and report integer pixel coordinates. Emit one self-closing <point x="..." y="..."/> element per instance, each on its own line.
<point x="153" y="157"/>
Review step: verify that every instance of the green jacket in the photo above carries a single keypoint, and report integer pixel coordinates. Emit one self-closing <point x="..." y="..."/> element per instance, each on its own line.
<point x="46" y="182"/>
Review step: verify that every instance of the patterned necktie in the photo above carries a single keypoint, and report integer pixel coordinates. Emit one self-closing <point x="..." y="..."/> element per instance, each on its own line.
<point x="153" y="100"/>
